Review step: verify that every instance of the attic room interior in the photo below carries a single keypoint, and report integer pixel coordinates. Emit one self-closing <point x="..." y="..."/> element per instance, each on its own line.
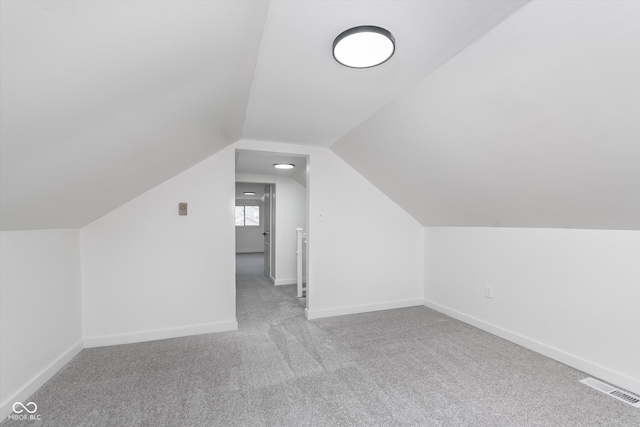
<point x="470" y="202"/>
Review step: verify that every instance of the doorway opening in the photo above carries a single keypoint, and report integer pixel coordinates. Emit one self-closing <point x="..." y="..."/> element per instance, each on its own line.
<point x="255" y="223"/>
<point x="271" y="212"/>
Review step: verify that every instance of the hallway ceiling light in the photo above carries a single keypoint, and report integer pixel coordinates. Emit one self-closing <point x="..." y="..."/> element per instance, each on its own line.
<point x="249" y="193"/>
<point x="284" y="166"/>
<point x="364" y="47"/>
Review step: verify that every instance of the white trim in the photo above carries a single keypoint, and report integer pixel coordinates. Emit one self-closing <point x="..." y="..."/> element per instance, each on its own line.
<point x="281" y="282"/>
<point x="268" y="274"/>
<point x="597" y="370"/>
<point x="39" y="379"/>
<point x="160" y="334"/>
<point x="355" y="309"/>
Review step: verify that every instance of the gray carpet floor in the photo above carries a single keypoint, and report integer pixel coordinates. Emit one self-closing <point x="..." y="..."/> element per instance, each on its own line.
<point x="406" y="367"/>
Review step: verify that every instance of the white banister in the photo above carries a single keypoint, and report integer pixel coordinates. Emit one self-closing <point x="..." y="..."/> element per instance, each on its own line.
<point x="300" y="234"/>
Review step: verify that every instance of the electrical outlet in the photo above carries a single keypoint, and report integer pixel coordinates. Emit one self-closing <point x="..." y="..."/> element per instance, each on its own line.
<point x="488" y="291"/>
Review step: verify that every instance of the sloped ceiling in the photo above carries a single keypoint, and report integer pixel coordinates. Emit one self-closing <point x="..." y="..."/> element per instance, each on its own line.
<point x="301" y="95"/>
<point x="537" y="124"/>
<point x="103" y="100"/>
<point x="489" y="113"/>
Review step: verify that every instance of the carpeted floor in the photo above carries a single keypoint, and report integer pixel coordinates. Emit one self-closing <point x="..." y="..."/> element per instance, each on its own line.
<point x="407" y="367"/>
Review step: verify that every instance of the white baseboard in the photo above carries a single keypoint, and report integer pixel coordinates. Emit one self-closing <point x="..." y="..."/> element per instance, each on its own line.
<point x="280" y="282"/>
<point x="22" y="395"/>
<point x="355" y="309"/>
<point x="159" y="334"/>
<point x="594" y="369"/>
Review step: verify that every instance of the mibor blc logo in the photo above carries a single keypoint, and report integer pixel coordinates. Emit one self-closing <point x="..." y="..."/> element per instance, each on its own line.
<point x="24" y="411"/>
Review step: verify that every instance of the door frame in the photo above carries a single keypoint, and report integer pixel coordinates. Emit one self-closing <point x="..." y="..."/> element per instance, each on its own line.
<point x="270" y="224"/>
<point x="307" y="256"/>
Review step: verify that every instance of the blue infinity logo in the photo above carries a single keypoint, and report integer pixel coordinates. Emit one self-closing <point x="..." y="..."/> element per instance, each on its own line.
<point x="18" y="407"/>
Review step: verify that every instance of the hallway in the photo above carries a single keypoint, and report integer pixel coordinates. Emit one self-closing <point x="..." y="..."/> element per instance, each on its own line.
<point x="258" y="300"/>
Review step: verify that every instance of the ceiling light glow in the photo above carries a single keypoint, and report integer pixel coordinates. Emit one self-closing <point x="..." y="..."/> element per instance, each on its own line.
<point x="283" y="166"/>
<point x="249" y="193"/>
<point x="364" y="47"/>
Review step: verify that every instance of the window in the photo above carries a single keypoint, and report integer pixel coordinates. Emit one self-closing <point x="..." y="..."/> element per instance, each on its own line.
<point x="247" y="216"/>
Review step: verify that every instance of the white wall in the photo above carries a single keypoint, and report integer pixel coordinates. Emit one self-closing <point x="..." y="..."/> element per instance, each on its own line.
<point x="573" y="295"/>
<point x="40" y="316"/>
<point x="149" y="273"/>
<point x="250" y="239"/>
<point x="290" y="203"/>
<point x="366" y="253"/>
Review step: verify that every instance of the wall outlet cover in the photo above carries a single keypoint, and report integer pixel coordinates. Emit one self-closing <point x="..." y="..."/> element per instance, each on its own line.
<point x="488" y="291"/>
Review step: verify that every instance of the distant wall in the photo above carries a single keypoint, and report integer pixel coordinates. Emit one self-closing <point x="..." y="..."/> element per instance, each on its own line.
<point x="148" y="273"/>
<point x="573" y="295"/>
<point x="40" y="309"/>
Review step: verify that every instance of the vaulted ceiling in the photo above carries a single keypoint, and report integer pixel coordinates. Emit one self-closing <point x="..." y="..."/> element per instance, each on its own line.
<point x="537" y="124"/>
<point x="103" y="100"/>
<point x="490" y="113"/>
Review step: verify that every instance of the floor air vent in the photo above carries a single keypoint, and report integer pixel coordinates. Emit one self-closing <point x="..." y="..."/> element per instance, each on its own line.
<point x="612" y="391"/>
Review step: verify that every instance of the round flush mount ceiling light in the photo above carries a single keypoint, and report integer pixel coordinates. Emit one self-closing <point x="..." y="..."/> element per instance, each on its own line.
<point x="364" y="47"/>
<point x="249" y="193"/>
<point x="283" y="166"/>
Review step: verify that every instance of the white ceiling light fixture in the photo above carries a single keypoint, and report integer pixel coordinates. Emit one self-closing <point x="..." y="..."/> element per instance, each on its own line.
<point x="365" y="46"/>
<point x="249" y="193"/>
<point x="284" y="166"/>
